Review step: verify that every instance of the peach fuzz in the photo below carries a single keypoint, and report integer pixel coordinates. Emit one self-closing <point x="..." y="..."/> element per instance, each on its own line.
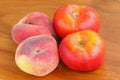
<point x="38" y="18"/>
<point x="37" y="55"/>
<point x="23" y="31"/>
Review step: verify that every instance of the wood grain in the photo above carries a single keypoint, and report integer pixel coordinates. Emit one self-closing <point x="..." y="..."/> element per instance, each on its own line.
<point x="11" y="11"/>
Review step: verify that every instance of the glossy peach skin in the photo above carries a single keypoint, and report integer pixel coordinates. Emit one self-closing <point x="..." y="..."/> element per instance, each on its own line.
<point x="71" y="18"/>
<point x="83" y="50"/>
<point x="37" y="55"/>
<point x="21" y="32"/>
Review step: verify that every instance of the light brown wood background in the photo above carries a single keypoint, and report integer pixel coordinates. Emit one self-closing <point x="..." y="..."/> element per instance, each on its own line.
<point x="11" y="11"/>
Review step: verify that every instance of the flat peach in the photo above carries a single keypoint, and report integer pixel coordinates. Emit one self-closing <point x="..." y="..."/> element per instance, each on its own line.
<point x="37" y="55"/>
<point x="38" y="18"/>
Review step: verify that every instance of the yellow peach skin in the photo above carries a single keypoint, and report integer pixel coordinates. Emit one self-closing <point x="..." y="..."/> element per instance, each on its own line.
<point x="24" y="64"/>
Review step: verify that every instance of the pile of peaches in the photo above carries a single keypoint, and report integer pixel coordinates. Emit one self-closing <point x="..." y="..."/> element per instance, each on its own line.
<point x="72" y="36"/>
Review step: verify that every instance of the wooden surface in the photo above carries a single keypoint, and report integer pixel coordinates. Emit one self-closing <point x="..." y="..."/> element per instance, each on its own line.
<point x="11" y="11"/>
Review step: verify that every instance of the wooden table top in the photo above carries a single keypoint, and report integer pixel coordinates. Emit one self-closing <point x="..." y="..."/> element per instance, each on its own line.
<point x="11" y="11"/>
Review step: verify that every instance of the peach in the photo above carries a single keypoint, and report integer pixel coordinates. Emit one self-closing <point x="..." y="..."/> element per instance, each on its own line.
<point x="38" y="18"/>
<point x="23" y="31"/>
<point x="35" y="23"/>
<point x="37" y="55"/>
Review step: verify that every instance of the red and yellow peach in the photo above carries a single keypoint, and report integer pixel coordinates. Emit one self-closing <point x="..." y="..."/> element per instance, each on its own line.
<point x="37" y="55"/>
